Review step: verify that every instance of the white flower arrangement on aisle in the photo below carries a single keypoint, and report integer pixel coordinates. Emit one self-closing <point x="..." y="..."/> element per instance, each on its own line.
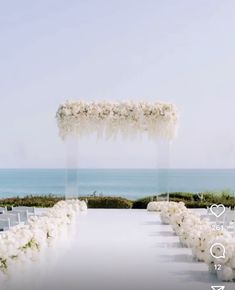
<point x="169" y="210"/>
<point x="109" y="119"/>
<point x="199" y="235"/>
<point x="155" y="206"/>
<point x="22" y="241"/>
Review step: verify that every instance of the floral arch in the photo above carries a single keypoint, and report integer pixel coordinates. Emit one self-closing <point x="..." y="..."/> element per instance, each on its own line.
<point x="108" y="119"/>
<point x="127" y="119"/>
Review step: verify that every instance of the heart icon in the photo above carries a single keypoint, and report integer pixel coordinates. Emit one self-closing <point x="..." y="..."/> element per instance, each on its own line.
<point x="217" y="210"/>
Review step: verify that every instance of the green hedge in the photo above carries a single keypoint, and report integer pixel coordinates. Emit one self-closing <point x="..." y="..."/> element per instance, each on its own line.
<point x="108" y="202"/>
<point x="50" y="200"/>
<point x="30" y="200"/>
<point x="191" y="200"/>
<point x="142" y="202"/>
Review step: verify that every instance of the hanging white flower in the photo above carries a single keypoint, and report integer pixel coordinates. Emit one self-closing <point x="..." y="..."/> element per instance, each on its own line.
<point x="109" y="119"/>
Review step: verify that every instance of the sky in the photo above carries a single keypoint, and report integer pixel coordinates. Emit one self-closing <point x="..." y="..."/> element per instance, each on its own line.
<point x="173" y="51"/>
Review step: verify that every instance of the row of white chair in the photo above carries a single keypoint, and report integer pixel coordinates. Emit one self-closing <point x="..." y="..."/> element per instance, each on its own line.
<point x="14" y="216"/>
<point x="4" y="224"/>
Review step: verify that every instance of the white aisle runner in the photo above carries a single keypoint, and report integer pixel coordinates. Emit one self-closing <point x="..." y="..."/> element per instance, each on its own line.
<point x="116" y="250"/>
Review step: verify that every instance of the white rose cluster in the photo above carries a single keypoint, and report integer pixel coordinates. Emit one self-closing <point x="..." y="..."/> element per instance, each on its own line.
<point x="22" y="241"/>
<point x="155" y="206"/>
<point x="200" y="235"/>
<point x="110" y="119"/>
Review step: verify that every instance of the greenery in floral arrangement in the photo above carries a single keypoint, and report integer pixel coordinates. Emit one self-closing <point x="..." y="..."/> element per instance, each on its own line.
<point x="32" y="244"/>
<point x="3" y="264"/>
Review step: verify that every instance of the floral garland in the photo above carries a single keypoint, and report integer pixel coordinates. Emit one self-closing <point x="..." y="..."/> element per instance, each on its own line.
<point x="109" y="119"/>
<point x="199" y="235"/>
<point x="22" y="241"/>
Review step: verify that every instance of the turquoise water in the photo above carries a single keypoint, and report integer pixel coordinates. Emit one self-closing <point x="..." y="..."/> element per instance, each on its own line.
<point x="130" y="183"/>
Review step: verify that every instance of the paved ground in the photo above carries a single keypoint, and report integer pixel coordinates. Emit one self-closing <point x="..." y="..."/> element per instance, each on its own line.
<point x="116" y="250"/>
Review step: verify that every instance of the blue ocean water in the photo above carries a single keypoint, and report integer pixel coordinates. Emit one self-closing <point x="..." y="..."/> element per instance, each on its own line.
<point x="130" y="183"/>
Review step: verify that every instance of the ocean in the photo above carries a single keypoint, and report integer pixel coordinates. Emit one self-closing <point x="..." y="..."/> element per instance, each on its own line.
<point x="129" y="183"/>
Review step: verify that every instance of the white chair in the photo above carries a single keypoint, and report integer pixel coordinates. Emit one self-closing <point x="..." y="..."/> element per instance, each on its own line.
<point x="3" y="209"/>
<point x="14" y="218"/>
<point x="29" y="209"/>
<point x="23" y="214"/>
<point x="4" y="224"/>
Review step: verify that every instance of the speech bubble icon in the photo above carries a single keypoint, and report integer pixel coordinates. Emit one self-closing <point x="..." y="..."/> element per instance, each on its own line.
<point x="217" y="251"/>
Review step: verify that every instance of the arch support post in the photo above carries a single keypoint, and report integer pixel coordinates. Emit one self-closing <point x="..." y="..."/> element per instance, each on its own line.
<point x="163" y="167"/>
<point x="71" y="189"/>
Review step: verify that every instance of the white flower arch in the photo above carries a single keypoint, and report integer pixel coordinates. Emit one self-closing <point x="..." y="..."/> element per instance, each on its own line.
<point x="109" y="119"/>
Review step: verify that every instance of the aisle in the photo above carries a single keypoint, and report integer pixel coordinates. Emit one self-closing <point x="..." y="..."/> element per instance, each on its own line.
<point x="119" y="250"/>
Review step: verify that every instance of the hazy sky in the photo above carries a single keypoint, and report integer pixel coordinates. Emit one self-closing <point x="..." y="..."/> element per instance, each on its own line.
<point x="178" y="51"/>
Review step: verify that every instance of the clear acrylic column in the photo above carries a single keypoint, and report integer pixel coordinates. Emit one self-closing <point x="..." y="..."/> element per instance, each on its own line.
<point x="163" y="167"/>
<point x="71" y="190"/>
